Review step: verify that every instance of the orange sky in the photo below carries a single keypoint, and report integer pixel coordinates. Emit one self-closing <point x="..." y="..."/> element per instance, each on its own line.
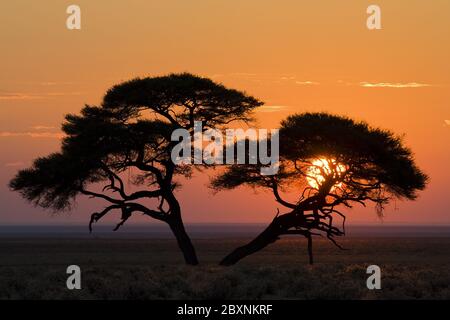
<point x="295" y="55"/>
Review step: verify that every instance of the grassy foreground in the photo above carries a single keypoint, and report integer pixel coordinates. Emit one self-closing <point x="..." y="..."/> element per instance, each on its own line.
<point x="153" y="269"/>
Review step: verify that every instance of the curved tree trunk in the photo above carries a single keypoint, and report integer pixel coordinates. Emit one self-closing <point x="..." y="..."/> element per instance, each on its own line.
<point x="183" y="240"/>
<point x="176" y="225"/>
<point x="279" y="226"/>
<point x="268" y="236"/>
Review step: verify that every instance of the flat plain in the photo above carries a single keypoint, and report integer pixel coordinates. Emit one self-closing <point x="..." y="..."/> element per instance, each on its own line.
<point x="147" y="268"/>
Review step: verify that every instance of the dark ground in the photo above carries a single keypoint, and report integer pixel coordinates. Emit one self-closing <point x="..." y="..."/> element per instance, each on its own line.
<point x="132" y="268"/>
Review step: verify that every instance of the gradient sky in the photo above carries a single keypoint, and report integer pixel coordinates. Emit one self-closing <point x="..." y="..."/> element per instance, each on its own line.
<point x="295" y="55"/>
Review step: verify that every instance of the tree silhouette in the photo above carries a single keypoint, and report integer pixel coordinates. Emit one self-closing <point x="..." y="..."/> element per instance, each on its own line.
<point x="330" y="162"/>
<point x="132" y="130"/>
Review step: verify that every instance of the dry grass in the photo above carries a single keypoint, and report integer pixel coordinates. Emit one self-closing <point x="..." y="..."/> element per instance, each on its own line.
<point x="153" y="269"/>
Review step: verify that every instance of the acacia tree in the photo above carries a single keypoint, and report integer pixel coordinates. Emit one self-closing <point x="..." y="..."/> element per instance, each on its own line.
<point x="329" y="162"/>
<point x="132" y="130"/>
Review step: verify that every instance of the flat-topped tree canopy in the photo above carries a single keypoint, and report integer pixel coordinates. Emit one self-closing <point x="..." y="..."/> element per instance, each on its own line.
<point x="102" y="142"/>
<point x="111" y="138"/>
<point x="181" y="99"/>
<point x="372" y="157"/>
<point x="360" y="159"/>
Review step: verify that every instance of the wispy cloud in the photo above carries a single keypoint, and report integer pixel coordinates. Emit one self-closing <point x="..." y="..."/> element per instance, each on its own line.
<point x="42" y="127"/>
<point x="307" y="83"/>
<point x="271" y="108"/>
<point x="15" y="164"/>
<point x="244" y="74"/>
<point x="54" y="83"/>
<point x="53" y="135"/>
<point x="19" y="96"/>
<point x="35" y="96"/>
<point x="266" y="78"/>
<point x="393" y="85"/>
<point x="287" y="78"/>
<point x="59" y="94"/>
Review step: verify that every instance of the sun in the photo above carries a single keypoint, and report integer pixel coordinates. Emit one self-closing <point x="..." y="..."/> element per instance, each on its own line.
<point x="319" y="167"/>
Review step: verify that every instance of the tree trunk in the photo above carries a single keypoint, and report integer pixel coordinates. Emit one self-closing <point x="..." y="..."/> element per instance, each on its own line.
<point x="310" y="250"/>
<point x="184" y="242"/>
<point x="176" y="225"/>
<point x="279" y="226"/>
<point x="268" y="236"/>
